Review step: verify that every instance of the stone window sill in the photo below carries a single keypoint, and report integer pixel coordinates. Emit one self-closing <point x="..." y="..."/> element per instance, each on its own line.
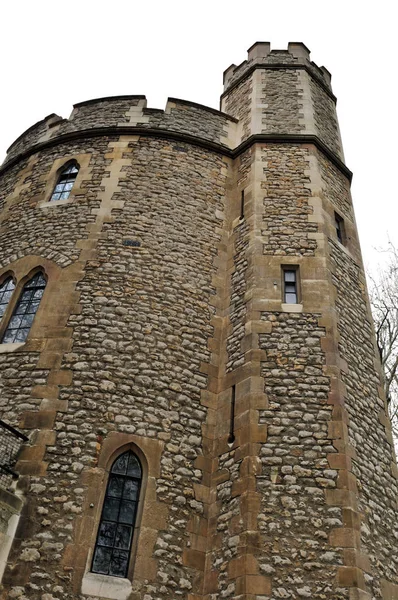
<point x="4" y="348"/>
<point x="54" y="203"/>
<point x="104" y="586"/>
<point x="293" y="308"/>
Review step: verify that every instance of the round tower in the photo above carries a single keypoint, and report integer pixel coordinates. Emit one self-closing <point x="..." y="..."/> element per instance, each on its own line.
<point x="187" y="346"/>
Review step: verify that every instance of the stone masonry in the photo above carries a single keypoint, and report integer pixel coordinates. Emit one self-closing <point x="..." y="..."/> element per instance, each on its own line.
<point x="261" y="426"/>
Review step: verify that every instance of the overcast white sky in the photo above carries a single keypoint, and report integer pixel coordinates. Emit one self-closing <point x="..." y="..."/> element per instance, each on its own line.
<point x="54" y="54"/>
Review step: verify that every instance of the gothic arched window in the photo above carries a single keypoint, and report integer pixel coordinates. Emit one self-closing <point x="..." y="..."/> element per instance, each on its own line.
<point x="6" y="291"/>
<point x="116" y="528"/>
<point x="65" y="182"/>
<point x="22" y="318"/>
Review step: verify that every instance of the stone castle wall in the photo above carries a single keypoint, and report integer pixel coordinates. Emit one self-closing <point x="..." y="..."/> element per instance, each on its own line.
<point x="260" y="425"/>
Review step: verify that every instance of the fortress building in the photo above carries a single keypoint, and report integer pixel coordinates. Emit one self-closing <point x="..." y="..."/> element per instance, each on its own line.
<point x="187" y="360"/>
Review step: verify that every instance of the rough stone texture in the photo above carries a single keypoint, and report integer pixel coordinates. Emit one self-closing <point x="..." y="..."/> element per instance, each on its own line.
<point x="325" y="118"/>
<point x="294" y="520"/>
<point x="238" y="305"/>
<point x="281" y="95"/>
<point x="285" y="184"/>
<point x="336" y="188"/>
<point x="378" y="490"/>
<point x="238" y="104"/>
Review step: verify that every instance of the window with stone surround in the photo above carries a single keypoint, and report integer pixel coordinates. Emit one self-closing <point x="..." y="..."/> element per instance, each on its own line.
<point x="290" y="282"/>
<point x="21" y="320"/>
<point x="65" y="182"/>
<point x="116" y="528"/>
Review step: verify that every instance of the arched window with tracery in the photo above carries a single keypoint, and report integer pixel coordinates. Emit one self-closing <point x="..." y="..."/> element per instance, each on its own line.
<point x="6" y="290"/>
<point x="22" y="318"/>
<point x="116" y="528"/>
<point x="65" y="182"/>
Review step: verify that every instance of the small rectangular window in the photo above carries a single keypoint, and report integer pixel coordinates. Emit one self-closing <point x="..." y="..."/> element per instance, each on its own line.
<point x="290" y="285"/>
<point x="340" y="229"/>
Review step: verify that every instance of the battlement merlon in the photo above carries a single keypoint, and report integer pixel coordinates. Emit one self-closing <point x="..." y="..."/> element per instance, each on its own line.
<point x="260" y="55"/>
<point x="127" y="114"/>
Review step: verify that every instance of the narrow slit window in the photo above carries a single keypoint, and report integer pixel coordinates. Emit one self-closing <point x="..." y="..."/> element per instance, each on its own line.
<point x="242" y="204"/>
<point x="6" y="290"/>
<point x="290" y="286"/>
<point x="22" y="318"/>
<point x="340" y="229"/>
<point x="116" y="528"/>
<point x="65" y="182"/>
<point x="231" y="436"/>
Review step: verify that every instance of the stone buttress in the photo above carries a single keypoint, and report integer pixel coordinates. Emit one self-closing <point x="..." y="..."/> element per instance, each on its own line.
<point x="165" y="329"/>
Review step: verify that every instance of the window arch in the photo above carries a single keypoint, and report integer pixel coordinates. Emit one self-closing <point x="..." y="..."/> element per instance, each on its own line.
<point x="22" y="318"/>
<point x="116" y="529"/>
<point x="65" y="182"/>
<point x="6" y="290"/>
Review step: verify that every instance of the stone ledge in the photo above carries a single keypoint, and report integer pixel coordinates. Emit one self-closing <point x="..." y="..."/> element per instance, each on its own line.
<point x="104" y="586"/>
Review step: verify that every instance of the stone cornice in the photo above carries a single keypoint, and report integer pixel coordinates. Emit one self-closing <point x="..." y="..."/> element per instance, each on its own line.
<point x="184" y="137"/>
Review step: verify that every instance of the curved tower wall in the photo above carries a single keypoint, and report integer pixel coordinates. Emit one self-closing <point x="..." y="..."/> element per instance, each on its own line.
<point x="261" y="426"/>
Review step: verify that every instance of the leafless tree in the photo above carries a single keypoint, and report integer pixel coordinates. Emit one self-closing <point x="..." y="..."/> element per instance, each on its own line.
<point x="383" y="291"/>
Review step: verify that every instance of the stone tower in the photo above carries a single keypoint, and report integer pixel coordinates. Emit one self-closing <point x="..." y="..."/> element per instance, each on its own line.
<point x="187" y="346"/>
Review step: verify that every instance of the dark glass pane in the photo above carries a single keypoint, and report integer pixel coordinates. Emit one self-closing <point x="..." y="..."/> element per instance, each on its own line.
<point x="111" y="509"/>
<point x="134" y="469"/>
<point x="55" y="196"/>
<point x="119" y="562"/>
<point x="27" y="321"/>
<point x="21" y="335"/>
<point x="22" y="308"/>
<point x="64" y="196"/>
<point x="115" y="486"/>
<point x="291" y="299"/>
<point x="68" y="186"/>
<point x="130" y="489"/>
<point x="59" y="187"/>
<point x="290" y="287"/>
<point x="102" y="559"/>
<point x="8" y="337"/>
<point x="15" y="322"/>
<point x="290" y="275"/>
<point x="38" y="294"/>
<point x="120" y="465"/>
<point x="106" y="536"/>
<point x="127" y="512"/>
<point x="123" y="537"/>
<point x="6" y="296"/>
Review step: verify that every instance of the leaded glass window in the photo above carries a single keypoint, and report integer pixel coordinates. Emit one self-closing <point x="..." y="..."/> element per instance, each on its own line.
<point x="116" y="529"/>
<point x="6" y="290"/>
<point x="22" y="318"/>
<point x="65" y="182"/>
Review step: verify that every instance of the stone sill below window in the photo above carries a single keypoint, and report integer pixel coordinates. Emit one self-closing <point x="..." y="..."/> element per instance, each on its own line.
<point x="4" y="348"/>
<point x="293" y="308"/>
<point x="104" y="586"/>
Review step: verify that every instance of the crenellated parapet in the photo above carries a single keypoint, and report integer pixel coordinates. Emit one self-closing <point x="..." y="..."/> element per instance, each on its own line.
<point x="128" y="115"/>
<point x="282" y="92"/>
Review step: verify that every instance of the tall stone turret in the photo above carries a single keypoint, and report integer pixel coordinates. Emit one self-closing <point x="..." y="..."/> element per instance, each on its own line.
<point x="186" y="342"/>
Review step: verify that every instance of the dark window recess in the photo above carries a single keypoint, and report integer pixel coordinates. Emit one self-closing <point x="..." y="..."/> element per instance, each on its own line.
<point x="340" y="229"/>
<point x="242" y="205"/>
<point x="290" y="286"/>
<point x="22" y="318"/>
<point x="231" y="436"/>
<point x="6" y="291"/>
<point x="116" y="529"/>
<point x="65" y="183"/>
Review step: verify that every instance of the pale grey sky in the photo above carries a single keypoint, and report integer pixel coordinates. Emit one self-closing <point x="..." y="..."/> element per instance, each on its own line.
<point x="56" y="54"/>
